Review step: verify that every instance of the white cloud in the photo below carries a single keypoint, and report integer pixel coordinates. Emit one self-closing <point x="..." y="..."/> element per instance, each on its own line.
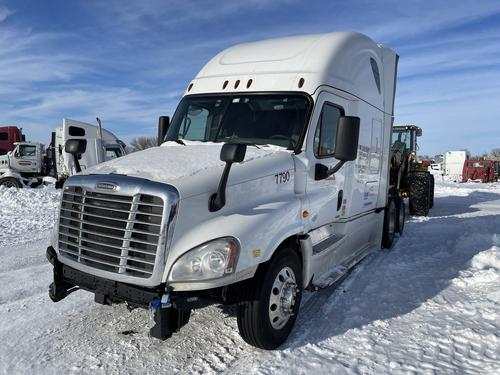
<point x="4" y="13"/>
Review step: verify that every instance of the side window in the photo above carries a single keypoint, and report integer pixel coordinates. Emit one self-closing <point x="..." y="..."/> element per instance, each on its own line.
<point x="4" y="136"/>
<point x="76" y="131"/>
<point x="194" y="124"/>
<point x="326" y="131"/>
<point x="112" y="153"/>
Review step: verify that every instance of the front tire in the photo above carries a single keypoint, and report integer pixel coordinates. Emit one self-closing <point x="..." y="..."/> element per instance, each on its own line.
<point x="10" y="182"/>
<point x="270" y="302"/>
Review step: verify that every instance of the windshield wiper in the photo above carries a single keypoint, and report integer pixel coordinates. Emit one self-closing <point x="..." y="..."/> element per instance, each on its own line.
<point x="180" y="141"/>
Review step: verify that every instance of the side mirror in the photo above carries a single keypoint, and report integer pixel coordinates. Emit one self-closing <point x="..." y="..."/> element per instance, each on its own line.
<point x="233" y="152"/>
<point x="76" y="147"/>
<point x="230" y="153"/>
<point x="346" y="142"/>
<point x="163" y="124"/>
<point x="346" y="146"/>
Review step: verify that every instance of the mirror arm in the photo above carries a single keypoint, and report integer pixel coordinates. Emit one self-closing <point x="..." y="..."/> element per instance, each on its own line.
<point x="335" y="168"/>
<point x="78" y="169"/>
<point x="218" y="199"/>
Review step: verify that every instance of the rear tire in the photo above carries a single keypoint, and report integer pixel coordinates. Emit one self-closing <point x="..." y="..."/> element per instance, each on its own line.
<point x="420" y="190"/>
<point x="390" y="224"/>
<point x="270" y="302"/>
<point x="401" y="214"/>
<point x="10" y="182"/>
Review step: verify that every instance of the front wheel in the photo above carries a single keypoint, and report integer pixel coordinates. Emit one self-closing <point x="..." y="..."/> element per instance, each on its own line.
<point x="9" y="182"/>
<point x="271" y="300"/>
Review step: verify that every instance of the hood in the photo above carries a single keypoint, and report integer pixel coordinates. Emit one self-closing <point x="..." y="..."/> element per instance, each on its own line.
<point x="195" y="168"/>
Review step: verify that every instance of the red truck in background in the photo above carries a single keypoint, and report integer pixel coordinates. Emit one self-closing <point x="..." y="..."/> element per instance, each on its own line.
<point x="8" y="136"/>
<point x="479" y="170"/>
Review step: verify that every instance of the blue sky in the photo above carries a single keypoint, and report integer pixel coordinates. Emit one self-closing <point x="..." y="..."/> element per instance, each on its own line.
<point x="130" y="61"/>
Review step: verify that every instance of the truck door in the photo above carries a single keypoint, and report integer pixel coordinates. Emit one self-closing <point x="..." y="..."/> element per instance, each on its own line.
<point x="326" y="197"/>
<point x="24" y="159"/>
<point x="80" y="130"/>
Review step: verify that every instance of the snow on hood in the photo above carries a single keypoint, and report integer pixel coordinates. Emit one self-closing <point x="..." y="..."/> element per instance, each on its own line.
<point x="172" y="162"/>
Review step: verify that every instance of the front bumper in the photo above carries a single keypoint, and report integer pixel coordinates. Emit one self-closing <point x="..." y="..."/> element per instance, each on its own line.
<point x="68" y="280"/>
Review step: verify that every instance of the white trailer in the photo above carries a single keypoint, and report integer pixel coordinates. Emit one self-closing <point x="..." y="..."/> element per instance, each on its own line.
<point x="30" y="164"/>
<point x="273" y="178"/>
<point x="453" y="163"/>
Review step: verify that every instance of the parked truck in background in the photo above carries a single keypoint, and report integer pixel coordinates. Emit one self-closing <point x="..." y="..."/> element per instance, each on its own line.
<point x="30" y="164"/>
<point x="272" y="178"/>
<point x="453" y="164"/>
<point x="479" y="170"/>
<point x="9" y="135"/>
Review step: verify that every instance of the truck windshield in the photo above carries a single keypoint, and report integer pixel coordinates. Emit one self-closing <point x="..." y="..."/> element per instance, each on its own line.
<point x="277" y="119"/>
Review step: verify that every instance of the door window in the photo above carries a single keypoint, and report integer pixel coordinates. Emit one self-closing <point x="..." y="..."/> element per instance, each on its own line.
<point x="326" y="131"/>
<point x="27" y="151"/>
<point x="113" y="153"/>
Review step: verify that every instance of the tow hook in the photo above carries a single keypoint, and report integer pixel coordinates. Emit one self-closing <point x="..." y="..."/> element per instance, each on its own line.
<point x="166" y="318"/>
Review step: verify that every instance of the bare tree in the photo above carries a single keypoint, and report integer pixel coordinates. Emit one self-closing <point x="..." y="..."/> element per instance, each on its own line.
<point x="495" y="152"/>
<point x="142" y="143"/>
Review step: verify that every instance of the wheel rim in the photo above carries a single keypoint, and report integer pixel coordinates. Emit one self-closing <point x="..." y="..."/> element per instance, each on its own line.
<point x="283" y="297"/>
<point x="8" y="184"/>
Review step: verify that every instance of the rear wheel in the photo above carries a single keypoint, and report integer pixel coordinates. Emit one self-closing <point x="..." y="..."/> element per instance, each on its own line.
<point x="390" y="224"/>
<point x="270" y="302"/>
<point x="420" y="193"/>
<point x="401" y="214"/>
<point x="10" y="182"/>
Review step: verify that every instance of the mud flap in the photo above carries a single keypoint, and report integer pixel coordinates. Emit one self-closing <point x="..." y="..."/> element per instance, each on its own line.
<point x="59" y="289"/>
<point x="167" y="319"/>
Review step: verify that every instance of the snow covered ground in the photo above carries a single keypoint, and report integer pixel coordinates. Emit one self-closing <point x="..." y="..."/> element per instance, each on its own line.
<point x="430" y="305"/>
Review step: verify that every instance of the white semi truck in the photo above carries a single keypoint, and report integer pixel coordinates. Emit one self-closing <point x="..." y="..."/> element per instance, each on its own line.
<point x="273" y="178"/>
<point x="30" y="164"/>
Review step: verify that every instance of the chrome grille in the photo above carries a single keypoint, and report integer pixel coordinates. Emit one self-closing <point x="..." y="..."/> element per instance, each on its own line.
<point x="111" y="232"/>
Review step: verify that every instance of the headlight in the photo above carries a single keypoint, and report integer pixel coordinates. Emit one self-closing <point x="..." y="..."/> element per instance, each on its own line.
<point x="211" y="260"/>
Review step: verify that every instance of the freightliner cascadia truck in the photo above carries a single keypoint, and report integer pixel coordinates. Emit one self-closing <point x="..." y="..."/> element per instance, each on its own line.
<point x="272" y="177"/>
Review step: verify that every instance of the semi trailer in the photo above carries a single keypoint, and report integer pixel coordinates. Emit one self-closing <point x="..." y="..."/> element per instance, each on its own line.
<point x="30" y="164"/>
<point x="271" y="178"/>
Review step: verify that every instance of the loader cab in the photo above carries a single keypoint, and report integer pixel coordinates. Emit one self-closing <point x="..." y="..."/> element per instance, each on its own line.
<point x="407" y="135"/>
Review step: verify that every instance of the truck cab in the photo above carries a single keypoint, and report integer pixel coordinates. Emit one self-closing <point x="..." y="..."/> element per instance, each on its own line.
<point x="9" y="135"/>
<point x="101" y="146"/>
<point x="480" y="170"/>
<point x="271" y="178"/>
<point x="30" y="164"/>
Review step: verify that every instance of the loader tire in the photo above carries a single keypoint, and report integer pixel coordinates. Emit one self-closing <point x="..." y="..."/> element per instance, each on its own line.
<point x="420" y="193"/>
<point x="432" y="191"/>
<point x="10" y="182"/>
<point x="270" y="301"/>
